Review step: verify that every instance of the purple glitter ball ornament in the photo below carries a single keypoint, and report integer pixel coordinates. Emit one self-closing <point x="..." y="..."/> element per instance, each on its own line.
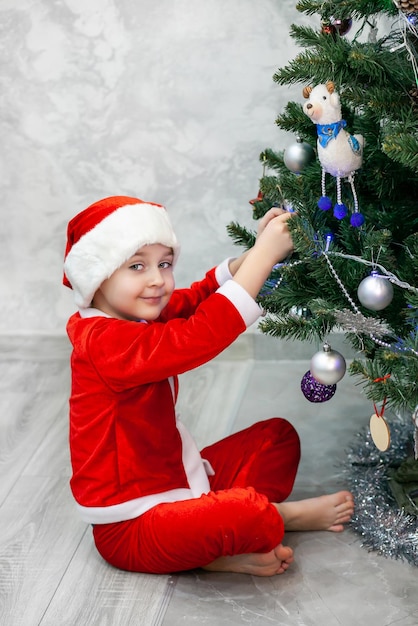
<point x="315" y="391"/>
<point x="340" y="211"/>
<point x="324" y="203"/>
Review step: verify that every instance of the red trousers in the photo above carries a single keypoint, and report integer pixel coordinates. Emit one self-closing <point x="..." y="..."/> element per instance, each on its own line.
<point x="253" y="468"/>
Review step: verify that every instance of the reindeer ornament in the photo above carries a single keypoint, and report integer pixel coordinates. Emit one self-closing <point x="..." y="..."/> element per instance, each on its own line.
<point x="339" y="153"/>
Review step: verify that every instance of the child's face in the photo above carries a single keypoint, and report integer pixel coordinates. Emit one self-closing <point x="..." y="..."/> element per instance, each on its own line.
<point x="141" y="287"/>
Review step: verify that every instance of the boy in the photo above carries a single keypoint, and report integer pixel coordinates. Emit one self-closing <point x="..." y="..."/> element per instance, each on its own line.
<point x="156" y="504"/>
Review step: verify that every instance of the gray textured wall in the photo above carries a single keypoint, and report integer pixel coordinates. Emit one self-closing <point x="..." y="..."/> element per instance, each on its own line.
<point x="171" y="101"/>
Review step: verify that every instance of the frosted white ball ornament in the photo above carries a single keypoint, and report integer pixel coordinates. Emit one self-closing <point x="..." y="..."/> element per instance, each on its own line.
<point x="328" y="366"/>
<point x="297" y="156"/>
<point x="375" y="292"/>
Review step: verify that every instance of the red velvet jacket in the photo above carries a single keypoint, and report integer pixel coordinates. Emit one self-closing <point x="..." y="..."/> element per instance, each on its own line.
<point x="128" y="449"/>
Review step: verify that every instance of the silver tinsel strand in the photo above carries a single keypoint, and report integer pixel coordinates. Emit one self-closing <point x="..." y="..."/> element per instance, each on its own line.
<point x="377" y="519"/>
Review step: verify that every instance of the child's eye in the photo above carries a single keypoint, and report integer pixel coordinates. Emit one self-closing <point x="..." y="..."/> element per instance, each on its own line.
<point x="165" y="264"/>
<point x="136" y="266"/>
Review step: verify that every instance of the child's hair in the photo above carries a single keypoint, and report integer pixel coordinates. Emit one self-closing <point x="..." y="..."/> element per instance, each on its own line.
<point x="105" y="235"/>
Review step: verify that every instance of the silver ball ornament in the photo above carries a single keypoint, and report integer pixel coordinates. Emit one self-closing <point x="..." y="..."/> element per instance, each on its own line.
<point x="328" y="366"/>
<point x="297" y="156"/>
<point x="375" y="292"/>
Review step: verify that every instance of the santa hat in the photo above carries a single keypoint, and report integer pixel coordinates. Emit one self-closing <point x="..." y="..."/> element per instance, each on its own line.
<point x="105" y="235"/>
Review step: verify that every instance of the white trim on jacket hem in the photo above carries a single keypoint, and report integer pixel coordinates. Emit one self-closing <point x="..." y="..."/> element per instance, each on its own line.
<point x="130" y="509"/>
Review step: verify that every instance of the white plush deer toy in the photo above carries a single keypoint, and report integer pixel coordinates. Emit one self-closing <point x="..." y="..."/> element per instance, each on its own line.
<point x="339" y="153"/>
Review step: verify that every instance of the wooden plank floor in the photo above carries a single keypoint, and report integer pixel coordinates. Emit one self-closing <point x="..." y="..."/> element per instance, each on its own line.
<point x="50" y="573"/>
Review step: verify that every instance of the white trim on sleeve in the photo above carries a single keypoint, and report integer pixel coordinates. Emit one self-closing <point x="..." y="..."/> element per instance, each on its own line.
<point x="222" y="273"/>
<point x="248" y="308"/>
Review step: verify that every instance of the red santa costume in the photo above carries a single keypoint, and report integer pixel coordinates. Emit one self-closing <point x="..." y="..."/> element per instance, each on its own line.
<point x="156" y="504"/>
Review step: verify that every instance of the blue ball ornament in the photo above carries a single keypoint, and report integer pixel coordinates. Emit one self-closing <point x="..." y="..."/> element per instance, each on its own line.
<point x="357" y="220"/>
<point x="340" y="211"/>
<point x="324" y="203"/>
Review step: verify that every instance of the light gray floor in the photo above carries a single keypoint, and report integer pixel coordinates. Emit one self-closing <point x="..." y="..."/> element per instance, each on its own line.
<point x="50" y="573"/>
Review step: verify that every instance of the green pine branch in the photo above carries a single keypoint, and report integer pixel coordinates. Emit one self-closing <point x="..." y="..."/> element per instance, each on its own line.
<point x="241" y="235"/>
<point x="402" y="147"/>
<point x="356" y="9"/>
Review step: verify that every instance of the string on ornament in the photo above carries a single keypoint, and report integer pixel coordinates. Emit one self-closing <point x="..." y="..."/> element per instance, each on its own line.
<point x="383" y="379"/>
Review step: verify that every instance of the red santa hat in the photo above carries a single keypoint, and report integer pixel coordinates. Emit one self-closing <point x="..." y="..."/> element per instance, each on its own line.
<point x="105" y="235"/>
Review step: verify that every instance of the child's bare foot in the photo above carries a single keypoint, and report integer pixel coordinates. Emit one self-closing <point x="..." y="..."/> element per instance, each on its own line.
<point x="275" y="562"/>
<point x="329" y="512"/>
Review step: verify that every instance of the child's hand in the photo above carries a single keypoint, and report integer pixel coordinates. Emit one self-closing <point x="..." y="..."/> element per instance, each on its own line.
<point x="273" y="235"/>
<point x="273" y="244"/>
<point x="271" y="214"/>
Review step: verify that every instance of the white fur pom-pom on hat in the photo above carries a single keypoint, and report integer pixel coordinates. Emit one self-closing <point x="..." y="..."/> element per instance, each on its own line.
<point x="105" y="235"/>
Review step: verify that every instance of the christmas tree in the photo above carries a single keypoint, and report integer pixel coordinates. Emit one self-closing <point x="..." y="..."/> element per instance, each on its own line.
<point x="351" y="175"/>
